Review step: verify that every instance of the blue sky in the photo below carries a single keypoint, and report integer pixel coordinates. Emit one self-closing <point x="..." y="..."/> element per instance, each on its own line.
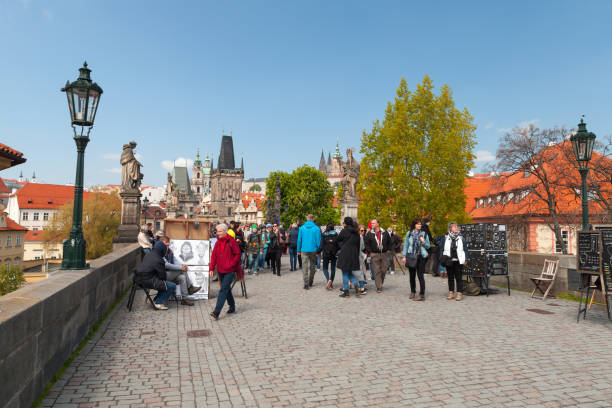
<point x="287" y="78"/>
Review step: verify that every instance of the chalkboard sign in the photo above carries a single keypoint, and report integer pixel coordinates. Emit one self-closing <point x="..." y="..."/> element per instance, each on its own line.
<point x="606" y="255"/>
<point x="589" y="251"/>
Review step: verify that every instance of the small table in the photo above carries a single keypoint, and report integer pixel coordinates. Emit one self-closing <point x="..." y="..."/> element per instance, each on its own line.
<point x="586" y="282"/>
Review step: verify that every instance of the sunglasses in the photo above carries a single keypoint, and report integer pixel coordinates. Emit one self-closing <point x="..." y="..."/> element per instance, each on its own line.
<point x="362" y="230"/>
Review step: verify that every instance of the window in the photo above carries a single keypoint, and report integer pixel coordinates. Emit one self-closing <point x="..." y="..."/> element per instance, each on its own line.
<point x="510" y="196"/>
<point x="8" y="241"/>
<point x="17" y="240"/>
<point x="198" y="189"/>
<point x="565" y="238"/>
<point x="24" y="216"/>
<point x="45" y="216"/>
<point x="35" y="216"/>
<point x="16" y="261"/>
<point x="198" y="175"/>
<point x="229" y="212"/>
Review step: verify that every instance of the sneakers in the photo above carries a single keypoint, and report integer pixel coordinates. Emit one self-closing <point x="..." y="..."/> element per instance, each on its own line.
<point x="194" y="289"/>
<point x="160" y="307"/>
<point x="364" y="291"/>
<point x="187" y="302"/>
<point x="214" y="315"/>
<point x="231" y="310"/>
<point x="344" y="294"/>
<point x="306" y="287"/>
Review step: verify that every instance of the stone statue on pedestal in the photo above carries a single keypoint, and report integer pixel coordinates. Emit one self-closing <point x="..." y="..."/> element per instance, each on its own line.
<point x="274" y="210"/>
<point x="130" y="169"/>
<point x="131" y="178"/>
<point x="350" y="175"/>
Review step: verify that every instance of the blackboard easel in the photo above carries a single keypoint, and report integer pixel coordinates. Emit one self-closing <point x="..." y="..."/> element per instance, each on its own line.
<point x="589" y="263"/>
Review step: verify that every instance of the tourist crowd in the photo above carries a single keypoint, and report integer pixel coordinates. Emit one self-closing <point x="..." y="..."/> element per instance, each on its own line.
<point x="354" y="250"/>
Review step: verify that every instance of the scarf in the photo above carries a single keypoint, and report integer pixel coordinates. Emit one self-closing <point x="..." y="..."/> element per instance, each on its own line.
<point x="416" y="242"/>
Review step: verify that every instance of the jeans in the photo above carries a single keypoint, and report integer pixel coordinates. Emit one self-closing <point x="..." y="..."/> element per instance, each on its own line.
<point x="327" y="260"/>
<point x="182" y="279"/>
<point x="300" y="260"/>
<point x="275" y="258"/>
<point x="262" y="258"/>
<point x="293" y="258"/>
<point x="309" y="267"/>
<point x="253" y="260"/>
<point x="318" y="262"/>
<point x="162" y="296"/>
<point x="418" y="271"/>
<point x="346" y="277"/>
<point x="455" y="272"/>
<point x="359" y="277"/>
<point x="391" y="256"/>
<point x="266" y="260"/>
<point x="225" y="292"/>
<point x="371" y="269"/>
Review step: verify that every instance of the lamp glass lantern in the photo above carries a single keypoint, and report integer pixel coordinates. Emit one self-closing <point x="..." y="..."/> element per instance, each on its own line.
<point x="83" y="98"/>
<point x="583" y="142"/>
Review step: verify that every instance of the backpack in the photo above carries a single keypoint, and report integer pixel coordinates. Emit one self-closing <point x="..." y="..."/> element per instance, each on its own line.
<point x="471" y="288"/>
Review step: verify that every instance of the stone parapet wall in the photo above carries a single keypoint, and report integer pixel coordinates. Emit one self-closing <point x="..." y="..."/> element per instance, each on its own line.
<point x="42" y="324"/>
<point x="524" y="265"/>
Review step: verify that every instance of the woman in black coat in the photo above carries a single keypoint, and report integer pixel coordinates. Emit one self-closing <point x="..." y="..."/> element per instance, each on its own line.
<point x="348" y="257"/>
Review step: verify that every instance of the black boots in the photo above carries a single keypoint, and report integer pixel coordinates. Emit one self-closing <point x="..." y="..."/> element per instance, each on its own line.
<point x="344" y="294"/>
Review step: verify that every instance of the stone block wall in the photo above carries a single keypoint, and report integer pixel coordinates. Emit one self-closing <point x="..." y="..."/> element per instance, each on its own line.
<point x="524" y="265"/>
<point x="43" y="323"/>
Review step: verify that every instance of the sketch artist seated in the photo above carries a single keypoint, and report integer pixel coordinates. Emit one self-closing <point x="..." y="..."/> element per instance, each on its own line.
<point x="151" y="274"/>
<point x="176" y="272"/>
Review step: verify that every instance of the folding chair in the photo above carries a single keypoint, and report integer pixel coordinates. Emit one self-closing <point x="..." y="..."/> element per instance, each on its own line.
<point x="547" y="277"/>
<point x="135" y="287"/>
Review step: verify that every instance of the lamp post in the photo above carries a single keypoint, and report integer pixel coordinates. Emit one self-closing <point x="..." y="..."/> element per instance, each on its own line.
<point x="145" y="204"/>
<point x="83" y="99"/>
<point x="582" y="142"/>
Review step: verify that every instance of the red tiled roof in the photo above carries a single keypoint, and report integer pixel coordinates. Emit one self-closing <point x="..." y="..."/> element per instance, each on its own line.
<point x="12" y="226"/>
<point x="45" y="196"/>
<point x="15" y="155"/>
<point x="33" y="236"/>
<point x="508" y="187"/>
<point x="3" y="187"/>
<point x="259" y="199"/>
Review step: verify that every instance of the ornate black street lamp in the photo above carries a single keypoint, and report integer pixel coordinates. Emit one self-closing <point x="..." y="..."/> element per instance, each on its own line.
<point x="83" y="99"/>
<point x="583" y="142"/>
<point x="145" y="204"/>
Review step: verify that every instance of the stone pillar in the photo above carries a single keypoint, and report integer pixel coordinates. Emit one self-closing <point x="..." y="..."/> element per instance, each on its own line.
<point x="349" y="209"/>
<point x="130" y="217"/>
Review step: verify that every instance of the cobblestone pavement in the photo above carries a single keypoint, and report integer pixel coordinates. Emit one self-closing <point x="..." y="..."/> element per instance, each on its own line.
<point x="290" y="347"/>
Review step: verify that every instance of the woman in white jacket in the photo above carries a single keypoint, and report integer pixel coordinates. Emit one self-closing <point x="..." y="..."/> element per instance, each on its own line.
<point x="455" y="249"/>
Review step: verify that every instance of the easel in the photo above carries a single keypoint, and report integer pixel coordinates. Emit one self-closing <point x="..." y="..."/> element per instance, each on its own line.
<point x="587" y="267"/>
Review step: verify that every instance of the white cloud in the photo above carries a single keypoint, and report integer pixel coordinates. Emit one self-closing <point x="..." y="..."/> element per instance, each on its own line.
<point x="48" y="14"/>
<point x="489" y="125"/>
<point x="484" y="156"/>
<point x="115" y="170"/>
<point x="526" y="123"/>
<point x="181" y="161"/>
<point x="111" y="156"/>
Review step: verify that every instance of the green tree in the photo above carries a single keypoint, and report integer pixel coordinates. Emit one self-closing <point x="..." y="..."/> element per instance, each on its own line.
<point x="101" y="219"/>
<point x="304" y="191"/>
<point x="415" y="162"/>
<point x="11" y="278"/>
<point x="255" y="188"/>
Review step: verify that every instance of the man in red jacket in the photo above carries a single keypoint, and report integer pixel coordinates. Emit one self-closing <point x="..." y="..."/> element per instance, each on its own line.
<point x="226" y="258"/>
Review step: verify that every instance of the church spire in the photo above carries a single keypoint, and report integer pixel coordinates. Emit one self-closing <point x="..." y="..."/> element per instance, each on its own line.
<point x="337" y="153"/>
<point x="197" y="161"/>
<point x="242" y="163"/>
<point x="322" y="166"/>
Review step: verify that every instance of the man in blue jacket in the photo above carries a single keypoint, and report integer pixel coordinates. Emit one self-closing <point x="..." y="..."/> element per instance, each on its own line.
<point x="309" y="240"/>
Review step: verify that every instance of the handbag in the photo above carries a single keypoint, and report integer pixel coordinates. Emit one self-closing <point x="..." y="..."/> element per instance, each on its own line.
<point x="411" y="260"/>
<point x="445" y="261"/>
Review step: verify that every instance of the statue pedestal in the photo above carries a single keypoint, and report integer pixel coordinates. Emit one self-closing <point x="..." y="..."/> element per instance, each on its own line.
<point x="349" y="209"/>
<point x="130" y="217"/>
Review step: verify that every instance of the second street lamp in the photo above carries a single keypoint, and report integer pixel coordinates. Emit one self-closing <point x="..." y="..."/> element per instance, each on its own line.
<point x="145" y="204"/>
<point x="583" y="142"/>
<point x="83" y="99"/>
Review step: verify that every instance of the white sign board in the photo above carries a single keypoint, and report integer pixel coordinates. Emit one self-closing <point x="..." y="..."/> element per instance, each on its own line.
<point x="199" y="276"/>
<point x="191" y="252"/>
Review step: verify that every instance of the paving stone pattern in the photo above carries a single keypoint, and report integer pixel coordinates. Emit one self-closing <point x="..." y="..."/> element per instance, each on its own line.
<point x="289" y="347"/>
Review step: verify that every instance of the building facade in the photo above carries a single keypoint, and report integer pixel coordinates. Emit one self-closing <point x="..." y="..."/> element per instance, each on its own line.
<point x="200" y="178"/>
<point x="11" y="241"/>
<point x="34" y="248"/>
<point x="250" y="209"/>
<point x="226" y="182"/>
<point x="332" y="167"/>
